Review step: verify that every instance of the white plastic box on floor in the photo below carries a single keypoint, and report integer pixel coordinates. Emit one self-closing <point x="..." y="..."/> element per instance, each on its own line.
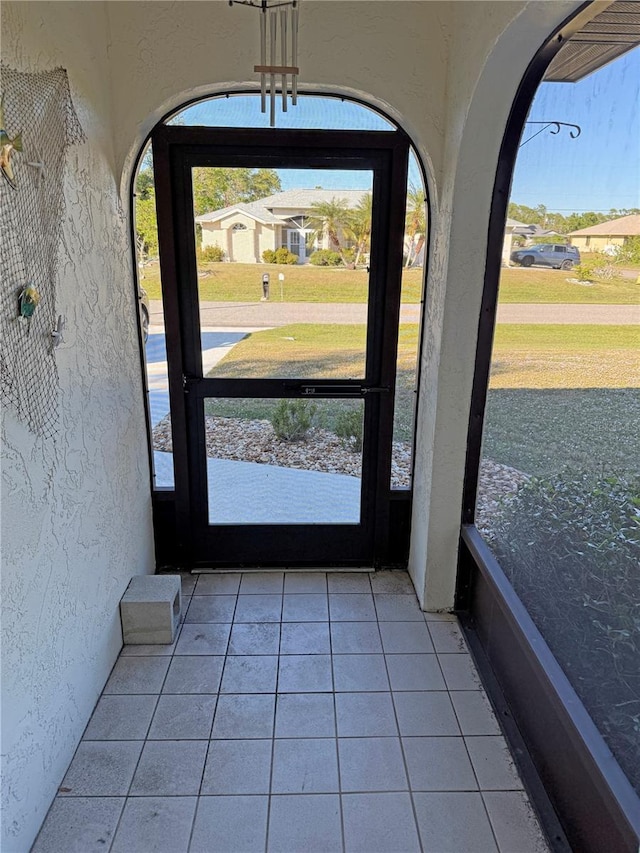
<point x="150" y="609"/>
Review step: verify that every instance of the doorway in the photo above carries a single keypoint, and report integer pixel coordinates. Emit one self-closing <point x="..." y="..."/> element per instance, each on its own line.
<point x="317" y="373"/>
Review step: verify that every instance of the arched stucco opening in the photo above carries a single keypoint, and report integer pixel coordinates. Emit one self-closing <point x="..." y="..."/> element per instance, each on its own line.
<point x="128" y="64"/>
<point x="454" y="285"/>
<point x="235" y="231"/>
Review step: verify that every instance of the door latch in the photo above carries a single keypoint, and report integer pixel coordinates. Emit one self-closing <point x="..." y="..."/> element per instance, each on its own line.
<point x="187" y="382"/>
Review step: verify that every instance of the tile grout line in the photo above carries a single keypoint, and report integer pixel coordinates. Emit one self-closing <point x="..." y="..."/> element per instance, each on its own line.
<point x="215" y="710"/>
<point x="145" y="740"/>
<point x="273" y="726"/>
<point x="335" y="721"/>
<point x="404" y="757"/>
<point x="473" y="770"/>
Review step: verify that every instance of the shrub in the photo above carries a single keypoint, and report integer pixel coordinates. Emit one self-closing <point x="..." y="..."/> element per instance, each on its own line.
<point x="349" y="429"/>
<point x="292" y="419"/>
<point x="325" y="258"/>
<point x="212" y="254"/>
<point x="630" y="252"/>
<point x="279" y="256"/>
<point x="284" y="256"/>
<point x="590" y="268"/>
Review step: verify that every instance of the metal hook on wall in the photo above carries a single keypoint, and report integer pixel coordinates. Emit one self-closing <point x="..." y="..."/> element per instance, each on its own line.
<point x="556" y="126"/>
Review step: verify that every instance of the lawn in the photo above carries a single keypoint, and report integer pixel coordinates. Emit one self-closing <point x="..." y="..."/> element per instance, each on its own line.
<point x="320" y="351"/>
<point x="564" y="396"/>
<point x="565" y="356"/>
<point x="543" y="432"/>
<point x="542" y="285"/>
<point x="242" y="282"/>
<point x="559" y="394"/>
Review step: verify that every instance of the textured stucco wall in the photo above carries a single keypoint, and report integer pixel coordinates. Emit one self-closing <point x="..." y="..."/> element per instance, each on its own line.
<point x="392" y="52"/>
<point x="447" y="72"/>
<point x="491" y="47"/>
<point x="76" y="515"/>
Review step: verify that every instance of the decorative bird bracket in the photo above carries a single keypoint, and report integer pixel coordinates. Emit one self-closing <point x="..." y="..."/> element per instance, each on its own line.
<point x="28" y="301"/>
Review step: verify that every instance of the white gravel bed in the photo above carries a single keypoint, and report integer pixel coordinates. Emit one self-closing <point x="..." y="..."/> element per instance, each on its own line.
<point x="255" y="441"/>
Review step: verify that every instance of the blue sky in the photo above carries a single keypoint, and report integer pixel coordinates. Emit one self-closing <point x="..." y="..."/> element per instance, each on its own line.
<point x="599" y="170"/>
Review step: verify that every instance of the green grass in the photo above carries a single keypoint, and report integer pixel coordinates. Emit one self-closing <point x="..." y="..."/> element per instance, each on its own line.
<point x="320" y="351"/>
<point x="565" y="356"/>
<point x="551" y="286"/>
<point x="243" y="283"/>
<point x="547" y="431"/>
<point x="567" y="336"/>
<point x="564" y="397"/>
<point x="560" y="395"/>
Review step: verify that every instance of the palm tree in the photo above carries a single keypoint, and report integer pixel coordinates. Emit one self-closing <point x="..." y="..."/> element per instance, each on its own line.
<point x="331" y="218"/>
<point x="360" y="226"/>
<point x="415" y="222"/>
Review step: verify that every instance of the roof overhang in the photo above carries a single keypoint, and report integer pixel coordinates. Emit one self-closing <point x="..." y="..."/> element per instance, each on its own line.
<point x="606" y="37"/>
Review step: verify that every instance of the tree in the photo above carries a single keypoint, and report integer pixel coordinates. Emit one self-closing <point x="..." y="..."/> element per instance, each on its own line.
<point x="415" y="223"/>
<point x="217" y="187"/>
<point x="146" y="223"/>
<point x="332" y="218"/>
<point x="630" y="251"/>
<point x="213" y="189"/>
<point x="576" y="221"/>
<point x="359" y="228"/>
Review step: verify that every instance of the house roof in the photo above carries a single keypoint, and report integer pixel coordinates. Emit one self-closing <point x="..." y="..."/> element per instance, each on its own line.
<point x="302" y="199"/>
<point x="255" y="209"/>
<point x="532" y="230"/>
<point x="513" y="223"/>
<point x="625" y="226"/>
<point x="305" y="198"/>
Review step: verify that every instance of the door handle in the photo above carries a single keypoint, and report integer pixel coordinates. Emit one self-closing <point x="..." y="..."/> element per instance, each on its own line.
<point x="342" y="390"/>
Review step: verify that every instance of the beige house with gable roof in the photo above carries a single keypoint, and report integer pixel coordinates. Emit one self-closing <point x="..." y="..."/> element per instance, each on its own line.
<point x="244" y="231"/>
<point x="615" y="232"/>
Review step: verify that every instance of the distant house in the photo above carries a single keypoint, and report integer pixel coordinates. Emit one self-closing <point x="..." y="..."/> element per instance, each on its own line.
<point x="244" y="231"/>
<point x="512" y="226"/>
<point x="531" y="232"/>
<point x="613" y="233"/>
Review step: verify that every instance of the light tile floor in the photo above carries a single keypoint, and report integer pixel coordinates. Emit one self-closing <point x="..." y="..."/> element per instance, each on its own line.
<point x="295" y="712"/>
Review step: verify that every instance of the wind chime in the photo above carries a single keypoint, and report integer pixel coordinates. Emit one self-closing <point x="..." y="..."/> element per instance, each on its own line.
<point x="278" y="22"/>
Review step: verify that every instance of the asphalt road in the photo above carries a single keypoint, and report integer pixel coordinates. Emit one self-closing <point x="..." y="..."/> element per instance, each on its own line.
<point x="269" y="314"/>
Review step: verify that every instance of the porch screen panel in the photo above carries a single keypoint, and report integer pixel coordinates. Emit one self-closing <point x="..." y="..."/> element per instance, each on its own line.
<point x="559" y="494"/>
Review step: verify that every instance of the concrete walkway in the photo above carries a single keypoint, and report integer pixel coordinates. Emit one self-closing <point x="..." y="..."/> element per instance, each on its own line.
<point x="251" y="493"/>
<point x="242" y="315"/>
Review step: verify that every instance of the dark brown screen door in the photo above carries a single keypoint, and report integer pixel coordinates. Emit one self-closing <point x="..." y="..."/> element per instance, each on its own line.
<point x="281" y="321"/>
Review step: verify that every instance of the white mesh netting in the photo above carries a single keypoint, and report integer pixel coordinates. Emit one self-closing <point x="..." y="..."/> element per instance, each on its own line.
<point x="31" y="216"/>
